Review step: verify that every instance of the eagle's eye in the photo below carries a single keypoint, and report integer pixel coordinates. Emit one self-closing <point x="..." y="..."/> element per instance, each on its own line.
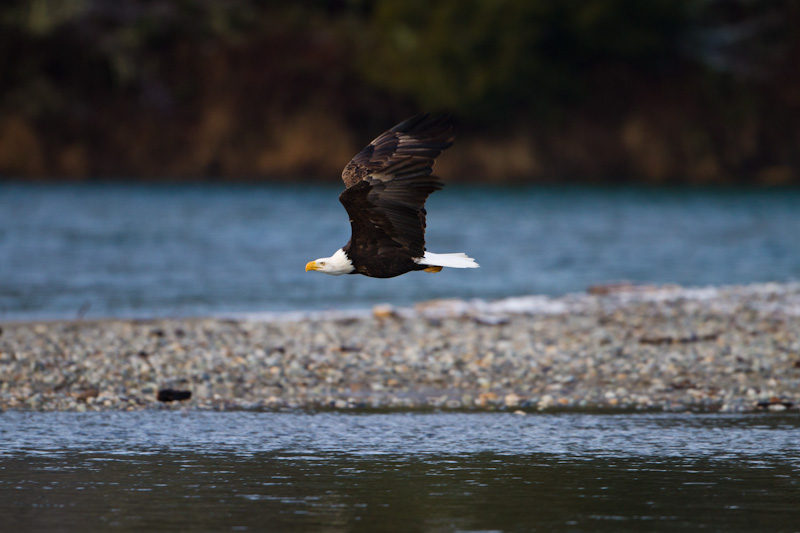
<point x="322" y="263"/>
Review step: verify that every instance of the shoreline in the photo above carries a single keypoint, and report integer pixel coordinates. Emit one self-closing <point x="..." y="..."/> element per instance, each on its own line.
<point x="615" y="348"/>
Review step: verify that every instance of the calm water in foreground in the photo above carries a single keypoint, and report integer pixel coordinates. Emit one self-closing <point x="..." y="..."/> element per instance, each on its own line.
<point x="98" y="250"/>
<point x="247" y="471"/>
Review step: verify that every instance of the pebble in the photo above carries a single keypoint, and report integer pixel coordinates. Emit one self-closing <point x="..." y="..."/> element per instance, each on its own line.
<point x="623" y="348"/>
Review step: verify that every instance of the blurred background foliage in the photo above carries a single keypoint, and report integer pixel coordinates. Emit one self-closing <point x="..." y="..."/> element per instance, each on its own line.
<point x="661" y="92"/>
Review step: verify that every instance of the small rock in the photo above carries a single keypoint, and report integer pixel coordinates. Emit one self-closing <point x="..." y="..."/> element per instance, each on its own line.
<point x="86" y="394"/>
<point x="383" y="311"/>
<point x="511" y="400"/>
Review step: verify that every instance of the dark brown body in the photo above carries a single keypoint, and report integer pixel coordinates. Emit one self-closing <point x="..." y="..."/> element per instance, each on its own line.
<point x="388" y="183"/>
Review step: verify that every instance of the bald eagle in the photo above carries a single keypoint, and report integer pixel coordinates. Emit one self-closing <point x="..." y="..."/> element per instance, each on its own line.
<point x="387" y="184"/>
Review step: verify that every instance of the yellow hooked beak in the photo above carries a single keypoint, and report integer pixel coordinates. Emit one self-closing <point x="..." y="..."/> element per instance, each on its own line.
<point x="311" y="265"/>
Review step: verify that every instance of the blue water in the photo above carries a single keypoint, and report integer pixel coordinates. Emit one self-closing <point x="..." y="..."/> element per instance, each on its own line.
<point x="247" y="471"/>
<point x="98" y="250"/>
<point x="752" y="438"/>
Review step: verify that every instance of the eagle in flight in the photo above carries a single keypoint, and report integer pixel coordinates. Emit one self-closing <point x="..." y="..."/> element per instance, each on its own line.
<point x="387" y="185"/>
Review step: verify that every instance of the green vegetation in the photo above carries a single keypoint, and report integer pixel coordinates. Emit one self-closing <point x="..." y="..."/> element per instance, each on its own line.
<point x="485" y="58"/>
<point x="664" y="91"/>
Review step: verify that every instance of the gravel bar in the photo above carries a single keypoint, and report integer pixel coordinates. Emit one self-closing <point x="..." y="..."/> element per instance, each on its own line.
<point x="616" y="347"/>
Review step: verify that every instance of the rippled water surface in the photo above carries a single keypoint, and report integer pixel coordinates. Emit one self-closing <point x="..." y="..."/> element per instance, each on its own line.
<point x="99" y="250"/>
<point x="250" y="471"/>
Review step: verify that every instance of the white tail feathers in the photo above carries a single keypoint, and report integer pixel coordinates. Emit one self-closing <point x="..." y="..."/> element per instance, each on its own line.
<point x="455" y="260"/>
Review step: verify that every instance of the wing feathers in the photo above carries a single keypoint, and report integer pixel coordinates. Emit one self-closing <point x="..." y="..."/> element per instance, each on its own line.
<point x="403" y="169"/>
<point x="388" y="183"/>
<point x="420" y="139"/>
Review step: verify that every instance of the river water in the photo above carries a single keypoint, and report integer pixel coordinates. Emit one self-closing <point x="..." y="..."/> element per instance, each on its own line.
<point x="121" y="250"/>
<point x="245" y="471"/>
<point x="99" y="250"/>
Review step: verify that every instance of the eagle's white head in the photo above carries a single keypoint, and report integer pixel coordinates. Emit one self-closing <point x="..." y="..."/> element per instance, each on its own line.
<point x="335" y="265"/>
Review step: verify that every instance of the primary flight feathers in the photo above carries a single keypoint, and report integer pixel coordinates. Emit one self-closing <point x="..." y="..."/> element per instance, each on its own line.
<point x="387" y="185"/>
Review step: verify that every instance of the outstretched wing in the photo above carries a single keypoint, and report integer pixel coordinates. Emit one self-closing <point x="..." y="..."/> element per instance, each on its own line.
<point x="419" y="138"/>
<point x="388" y="183"/>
